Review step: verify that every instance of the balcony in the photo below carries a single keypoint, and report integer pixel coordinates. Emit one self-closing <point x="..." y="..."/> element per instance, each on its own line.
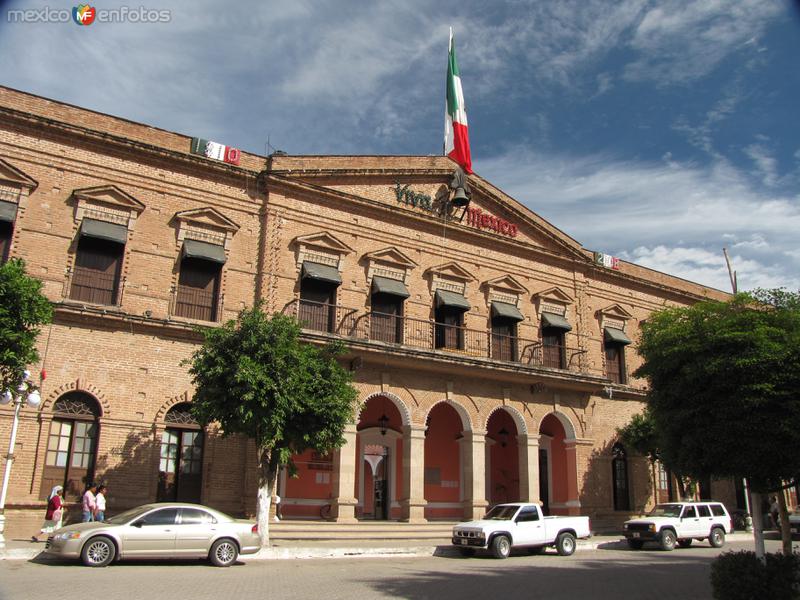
<point x="410" y="333"/>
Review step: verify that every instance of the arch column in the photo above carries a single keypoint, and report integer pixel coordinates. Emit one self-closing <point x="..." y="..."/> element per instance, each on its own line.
<point x="344" y="502"/>
<point x="573" y="503"/>
<point x="475" y="474"/>
<point x="529" y="468"/>
<point x="413" y="501"/>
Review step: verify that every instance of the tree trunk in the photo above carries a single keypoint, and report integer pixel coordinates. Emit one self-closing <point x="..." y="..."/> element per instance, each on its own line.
<point x="786" y="528"/>
<point x="681" y="486"/>
<point x="758" y="523"/>
<point x="655" y="482"/>
<point x="267" y="476"/>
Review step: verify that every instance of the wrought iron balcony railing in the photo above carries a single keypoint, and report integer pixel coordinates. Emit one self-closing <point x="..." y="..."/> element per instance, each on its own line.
<point x="431" y="335"/>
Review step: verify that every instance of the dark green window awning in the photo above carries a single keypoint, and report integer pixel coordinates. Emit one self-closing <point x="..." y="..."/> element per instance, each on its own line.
<point x="8" y="211"/>
<point x="104" y="230"/>
<point x="392" y="287"/>
<point x="504" y="310"/>
<point x="204" y="250"/>
<point x="320" y="272"/>
<point x="616" y="336"/>
<point x="555" y="321"/>
<point x="451" y="300"/>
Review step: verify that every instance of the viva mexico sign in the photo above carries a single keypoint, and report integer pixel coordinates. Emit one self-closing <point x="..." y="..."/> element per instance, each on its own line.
<point x="439" y="206"/>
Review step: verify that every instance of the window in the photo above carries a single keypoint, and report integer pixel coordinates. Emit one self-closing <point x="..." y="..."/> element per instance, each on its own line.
<point x="528" y="513"/>
<point x="449" y="316"/>
<point x="553" y="347"/>
<point x="689" y="512"/>
<point x="198" y="289"/>
<point x="8" y="214"/>
<point x="71" y="445"/>
<point x="98" y="262"/>
<point x="614" y="342"/>
<point x="199" y="280"/>
<point x="165" y="516"/>
<point x="703" y="510"/>
<point x="386" y="316"/>
<point x="180" y="467"/>
<point x="619" y="474"/>
<point x="504" y="330"/>
<point x="718" y="510"/>
<point x="664" y="484"/>
<point x="6" y="231"/>
<point x="318" y="285"/>
<point x="615" y="362"/>
<point x="194" y="516"/>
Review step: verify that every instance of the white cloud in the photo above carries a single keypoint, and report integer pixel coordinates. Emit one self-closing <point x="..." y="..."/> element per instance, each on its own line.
<point x="766" y="164"/>
<point x="619" y="206"/>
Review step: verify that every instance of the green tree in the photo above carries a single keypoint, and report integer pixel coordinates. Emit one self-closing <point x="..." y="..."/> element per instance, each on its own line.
<point x="23" y="309"/>
<point x="724" y="380"/>
<point x="254" y="377"/>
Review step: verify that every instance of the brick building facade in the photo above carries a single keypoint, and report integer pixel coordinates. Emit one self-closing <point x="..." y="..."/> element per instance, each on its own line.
<point x="492" y="353"/>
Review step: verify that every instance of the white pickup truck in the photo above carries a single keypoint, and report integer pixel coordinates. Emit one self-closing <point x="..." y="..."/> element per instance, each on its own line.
<point x="519" y="525"/>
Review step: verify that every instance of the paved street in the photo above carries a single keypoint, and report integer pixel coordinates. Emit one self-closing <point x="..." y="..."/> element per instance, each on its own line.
<point x="595" y="574"/>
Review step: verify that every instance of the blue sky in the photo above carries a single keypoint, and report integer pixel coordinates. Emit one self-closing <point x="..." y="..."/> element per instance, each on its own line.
<point x="658" y="131"/>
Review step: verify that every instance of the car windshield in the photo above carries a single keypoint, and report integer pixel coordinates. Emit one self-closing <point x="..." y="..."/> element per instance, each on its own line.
<point x="666" y="510"/>
<point x="128" y="515"/>
<point x="501" y="513"/>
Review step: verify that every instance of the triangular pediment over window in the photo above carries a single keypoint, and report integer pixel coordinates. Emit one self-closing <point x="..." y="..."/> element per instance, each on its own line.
<point x="391" y="256"/>
<point x="323" y="240"/>
<point x="10" y="175"/>
<point x="451" y="270"/>
<point x="553" y="294"/>
<point x="207" y="217"/>
<point x="616" y="311"/>
<point x="108" y="195"/>
<point x="506" y="283"/>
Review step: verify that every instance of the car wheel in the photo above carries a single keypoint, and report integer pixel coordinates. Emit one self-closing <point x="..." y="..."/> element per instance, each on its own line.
<point x="98" y="552"/>
<point x="668" y="540"/>
<point x="685" y="543"/>
<point x="565" y="544"/>
<point x="536" y="549"/>
<point x="501" y="546"/>
<point x="467" y="551"/>
<point x="635" y="544"/>
<point x="223" y="553"/>
<point x="717" y="538"/>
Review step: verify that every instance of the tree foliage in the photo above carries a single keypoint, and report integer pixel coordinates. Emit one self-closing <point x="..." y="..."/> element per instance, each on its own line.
<point x="641" y="435"/>
<point x="725" y="386"/>
<point x="23" y="309"/>
<point x="254" y="377"/>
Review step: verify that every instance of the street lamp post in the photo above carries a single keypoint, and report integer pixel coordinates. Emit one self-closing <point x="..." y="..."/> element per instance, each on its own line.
<point x="26" y="393"/>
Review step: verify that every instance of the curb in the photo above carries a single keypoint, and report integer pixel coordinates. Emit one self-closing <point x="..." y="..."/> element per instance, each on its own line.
<point x="299" y="552"/>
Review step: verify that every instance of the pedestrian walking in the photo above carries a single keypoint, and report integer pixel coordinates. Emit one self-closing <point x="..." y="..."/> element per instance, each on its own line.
<point x="88" y="503"/>
<point x="54" y="514"/>
<point x="100" y="504"/>
<point x="774" y="512"/>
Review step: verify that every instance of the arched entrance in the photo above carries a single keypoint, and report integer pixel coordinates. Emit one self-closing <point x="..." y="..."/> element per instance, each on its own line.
<point x="443" y="463"/>
<point x="379" y="445"/>
<point x="180" y="465"/>
<point x="71" y="445"/>
<point x="502" y="447"/>
<point x="557" y="466"/>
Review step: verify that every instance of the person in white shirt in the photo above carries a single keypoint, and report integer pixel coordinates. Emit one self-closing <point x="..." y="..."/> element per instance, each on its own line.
<point x="100" y="504"/>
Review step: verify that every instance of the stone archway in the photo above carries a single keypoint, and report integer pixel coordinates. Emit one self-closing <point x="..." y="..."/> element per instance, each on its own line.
<point x="558" y="476"/>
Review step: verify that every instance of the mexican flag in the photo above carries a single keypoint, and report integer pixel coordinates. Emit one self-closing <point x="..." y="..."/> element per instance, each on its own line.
<point x="456" y="139"/>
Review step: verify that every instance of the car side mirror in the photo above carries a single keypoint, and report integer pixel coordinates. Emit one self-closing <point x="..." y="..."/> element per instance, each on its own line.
<point x="137" y="524"/>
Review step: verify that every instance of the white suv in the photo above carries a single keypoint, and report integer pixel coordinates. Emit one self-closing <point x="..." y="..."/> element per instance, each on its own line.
<point x="680" y="523"/>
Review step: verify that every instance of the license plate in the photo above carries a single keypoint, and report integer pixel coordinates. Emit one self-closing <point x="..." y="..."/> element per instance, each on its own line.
<point x="635" y="534"/>
<point x="464" y="542"/>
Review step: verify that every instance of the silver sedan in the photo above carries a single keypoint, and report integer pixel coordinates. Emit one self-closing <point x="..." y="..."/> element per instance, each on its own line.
<point x="164" y="530"/>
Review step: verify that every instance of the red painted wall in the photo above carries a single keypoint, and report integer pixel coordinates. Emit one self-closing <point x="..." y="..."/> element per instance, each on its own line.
<point x="442" y="453"/>
<point x="503" y="460"/>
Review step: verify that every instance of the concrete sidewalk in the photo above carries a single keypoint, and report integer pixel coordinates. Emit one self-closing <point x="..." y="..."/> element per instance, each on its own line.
<point x="16" y="549"/>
